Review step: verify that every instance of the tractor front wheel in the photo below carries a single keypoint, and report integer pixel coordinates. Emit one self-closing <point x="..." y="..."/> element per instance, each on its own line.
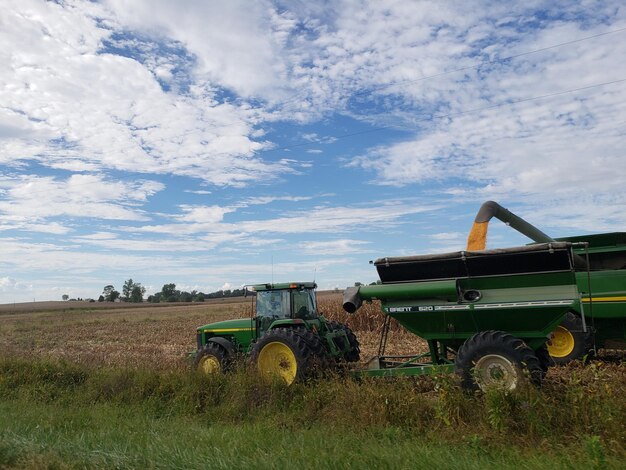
<point x="568" y="341"/>
<point x="496" y="359"/>
<point x="286" y="354"/>
<point x="212" y="359"/>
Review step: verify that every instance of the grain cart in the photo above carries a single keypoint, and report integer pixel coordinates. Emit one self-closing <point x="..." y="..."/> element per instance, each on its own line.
<point x="286" y="337"/>
<point x="485" y="314"/>
<point x="600" y="265"/>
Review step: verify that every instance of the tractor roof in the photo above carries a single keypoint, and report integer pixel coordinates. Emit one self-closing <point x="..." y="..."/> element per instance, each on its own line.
<point x="284" y="286"/>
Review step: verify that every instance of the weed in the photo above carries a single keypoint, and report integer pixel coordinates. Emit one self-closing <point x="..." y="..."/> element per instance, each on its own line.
<point x="595" y="450"/>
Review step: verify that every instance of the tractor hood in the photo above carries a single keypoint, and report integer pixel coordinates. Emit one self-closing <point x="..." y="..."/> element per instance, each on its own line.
<point x="227" y="326"/>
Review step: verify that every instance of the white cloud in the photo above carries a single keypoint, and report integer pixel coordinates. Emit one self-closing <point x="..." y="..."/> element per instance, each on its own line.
<point x="68" y="105"/>
<point x="447" y="236"/>
<point x="318" y="220"/>
<point x="201" y="192"/>
<point x="334" y="247"/>
<point x="83" y="196"/>
<point x="260" y="200"/>
<point x="203" y="214"/>
<point x="237" y="43"/>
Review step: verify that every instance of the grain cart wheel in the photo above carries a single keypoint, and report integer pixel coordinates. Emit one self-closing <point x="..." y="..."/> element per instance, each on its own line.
<point x="568" y="341"/>
<point x="355" y="353"/>
<point x="212" y="359"/>
<point x="496" y="358"/>
<point x="545" y="360"/>
<point x="287" y="354"/>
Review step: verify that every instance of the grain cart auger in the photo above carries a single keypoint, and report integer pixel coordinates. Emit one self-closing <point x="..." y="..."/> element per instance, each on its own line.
<point x="600" y="263"/>
<point x="285" y="338"/>
<point x="485" y="314"/>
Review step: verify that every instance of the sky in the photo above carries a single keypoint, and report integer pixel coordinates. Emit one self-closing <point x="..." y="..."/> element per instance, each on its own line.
<point x="216" y="144"/>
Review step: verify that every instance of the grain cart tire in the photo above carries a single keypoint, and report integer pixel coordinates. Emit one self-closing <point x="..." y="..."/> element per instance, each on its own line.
<point x="212" y="359"/>
<point x="495" y="358"/>
<point x="568" y="341"/>
<point x="287" y="354"/>
<point x="545" y="360"/>
<point x="354" y="355"/>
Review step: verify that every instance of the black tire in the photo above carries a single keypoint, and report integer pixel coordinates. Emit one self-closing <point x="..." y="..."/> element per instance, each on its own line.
<point x="569" y="341"/>
<point x="545" y="360"/>
<point x="212" y="359"/>
<point x="496" y="358"/>
<point x="292" y="355"/>
<point x="354" y="354"/>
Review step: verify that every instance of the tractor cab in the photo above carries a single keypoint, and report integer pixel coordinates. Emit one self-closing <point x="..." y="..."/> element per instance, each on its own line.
<point x="284" y="303"/>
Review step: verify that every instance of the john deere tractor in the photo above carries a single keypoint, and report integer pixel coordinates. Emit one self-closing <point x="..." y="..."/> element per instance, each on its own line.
<point x="286" y="338"/>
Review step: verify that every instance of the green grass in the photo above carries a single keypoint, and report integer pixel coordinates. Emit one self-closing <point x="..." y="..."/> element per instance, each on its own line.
<point x="118" y="436"/>
<point x="56" y="415"/>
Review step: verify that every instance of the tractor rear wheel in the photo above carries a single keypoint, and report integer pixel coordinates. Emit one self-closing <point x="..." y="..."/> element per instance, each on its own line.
<point x="496" y="359"/>
<point x="287" y="354"/>
<point x="355" y="351"/>
<point x="212" y="359"/>
<point x="568" y="341"/>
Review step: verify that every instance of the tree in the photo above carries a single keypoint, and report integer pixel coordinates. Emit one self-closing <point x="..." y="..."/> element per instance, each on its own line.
<point x="136" y="295"/>
<point x="127" y="289"/>
<point x="169" y="293"/>
<point x="110" y="294"/>
<point x="185" y="297"/>
<point x="101" y="298"/>
<point x="168" y="290"/>
<point x="133" y="291"/>
<point x="65" y="296"/>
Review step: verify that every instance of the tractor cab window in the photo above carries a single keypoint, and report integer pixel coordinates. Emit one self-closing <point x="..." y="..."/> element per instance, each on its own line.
<point x="304" y="304"/>
<point x="272" y="304"/>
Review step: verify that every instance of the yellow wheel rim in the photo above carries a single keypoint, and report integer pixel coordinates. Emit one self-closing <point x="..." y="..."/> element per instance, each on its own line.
<point x="277" y="360"/>
<point x="493" y="370"/>
<point x="561" y="342"/>
<point x="210" y="365"/>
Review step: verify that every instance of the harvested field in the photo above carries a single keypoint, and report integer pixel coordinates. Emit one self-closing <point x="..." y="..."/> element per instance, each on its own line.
<point x="159" y="336"/>
<point x="153" y="335"/>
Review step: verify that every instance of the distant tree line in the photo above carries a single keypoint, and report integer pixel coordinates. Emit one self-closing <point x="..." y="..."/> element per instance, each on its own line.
<point x="169" y="293"/>
<point x="131" y="292"/>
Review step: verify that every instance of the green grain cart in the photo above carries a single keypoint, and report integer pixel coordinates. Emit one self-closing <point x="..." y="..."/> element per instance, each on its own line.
<point x="485" y="314"/>
<point x="493" y="315"/>
<point x="599" y="321"/>
<point x="285" y="338"/>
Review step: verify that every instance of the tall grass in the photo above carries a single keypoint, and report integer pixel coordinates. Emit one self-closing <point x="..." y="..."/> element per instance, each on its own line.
<point x="587" y="402"/>
<point x="58" y="415"/>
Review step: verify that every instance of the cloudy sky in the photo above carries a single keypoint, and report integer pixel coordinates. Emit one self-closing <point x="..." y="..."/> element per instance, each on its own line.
<point x="213" y="144"/>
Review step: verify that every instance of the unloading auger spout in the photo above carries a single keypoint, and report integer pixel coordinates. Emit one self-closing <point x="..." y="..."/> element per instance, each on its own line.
<point x="477" y="239"/>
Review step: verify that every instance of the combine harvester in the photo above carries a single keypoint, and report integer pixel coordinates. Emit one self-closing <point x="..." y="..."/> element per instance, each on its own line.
<point x="496" y="316"/>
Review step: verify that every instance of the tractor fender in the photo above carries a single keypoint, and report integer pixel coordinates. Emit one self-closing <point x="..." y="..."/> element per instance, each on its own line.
<point x="223" y="342"/>
<point x="287" y="323"/>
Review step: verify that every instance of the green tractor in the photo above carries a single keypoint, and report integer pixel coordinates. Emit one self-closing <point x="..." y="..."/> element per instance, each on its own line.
<point x="286" y="338"/>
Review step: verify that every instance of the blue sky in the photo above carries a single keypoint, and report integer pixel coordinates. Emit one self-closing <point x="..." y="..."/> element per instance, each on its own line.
<point x="214" y="144"/>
